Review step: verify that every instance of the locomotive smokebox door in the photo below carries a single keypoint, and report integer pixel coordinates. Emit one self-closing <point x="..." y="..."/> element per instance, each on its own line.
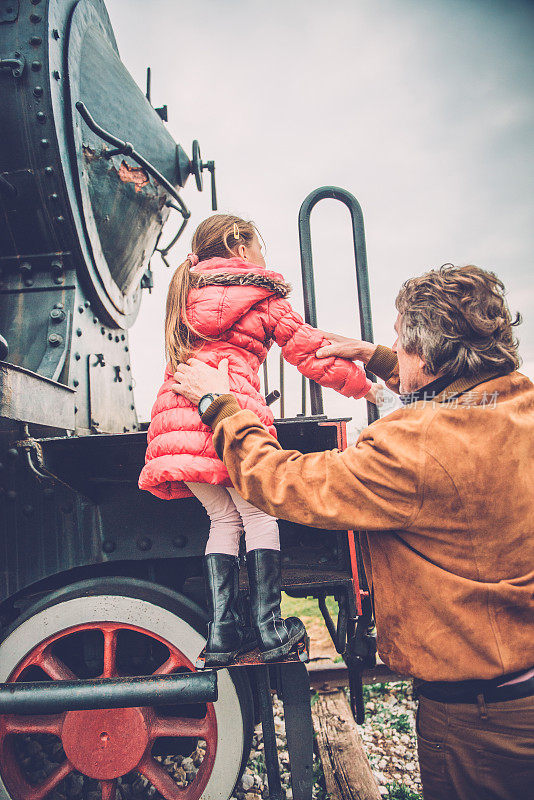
<point x="123" y="207"/>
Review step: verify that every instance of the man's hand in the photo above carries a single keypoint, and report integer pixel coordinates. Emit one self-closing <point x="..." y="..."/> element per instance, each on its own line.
<point x="341" y="346"/>
<point x="195" y="379"/>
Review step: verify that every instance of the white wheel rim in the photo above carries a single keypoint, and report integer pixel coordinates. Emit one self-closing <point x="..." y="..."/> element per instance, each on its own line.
<point x="133" y="611"/>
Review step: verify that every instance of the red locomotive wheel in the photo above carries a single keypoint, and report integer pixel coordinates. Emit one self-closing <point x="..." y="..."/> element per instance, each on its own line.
<point x="117" y="747"/>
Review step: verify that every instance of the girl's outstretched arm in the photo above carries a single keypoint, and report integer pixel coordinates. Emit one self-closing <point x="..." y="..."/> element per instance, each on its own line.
<point x="300" y="342"/>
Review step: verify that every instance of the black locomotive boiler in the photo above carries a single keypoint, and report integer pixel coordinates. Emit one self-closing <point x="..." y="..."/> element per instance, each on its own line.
<point x="101" y="598"/>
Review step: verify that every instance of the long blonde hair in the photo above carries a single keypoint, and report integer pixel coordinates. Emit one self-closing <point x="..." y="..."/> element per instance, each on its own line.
<point x="217" y="236"/>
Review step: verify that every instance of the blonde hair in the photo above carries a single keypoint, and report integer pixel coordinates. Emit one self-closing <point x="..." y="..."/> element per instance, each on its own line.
<point x="217" y="236"/>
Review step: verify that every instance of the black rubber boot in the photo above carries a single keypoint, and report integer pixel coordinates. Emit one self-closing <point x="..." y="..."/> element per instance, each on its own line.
<point x="276" y="637"/>
<point x="227" y="636"/>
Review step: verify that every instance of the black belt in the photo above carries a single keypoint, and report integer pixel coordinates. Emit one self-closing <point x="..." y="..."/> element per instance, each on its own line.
<point x="470" y="691"/>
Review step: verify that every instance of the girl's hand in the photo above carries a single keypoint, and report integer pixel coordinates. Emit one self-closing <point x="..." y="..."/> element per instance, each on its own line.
<point x="375" y="394"/>
<point x="195" y="379"/>
<point x="343" y="347"/>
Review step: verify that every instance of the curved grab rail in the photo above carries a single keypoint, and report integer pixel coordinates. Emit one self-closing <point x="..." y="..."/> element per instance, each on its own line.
<point x="362" y="277"/>
<point x="128" y="150"/>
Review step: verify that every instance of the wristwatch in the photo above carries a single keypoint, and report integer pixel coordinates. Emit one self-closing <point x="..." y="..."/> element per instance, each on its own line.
<point x="205" y="402"/>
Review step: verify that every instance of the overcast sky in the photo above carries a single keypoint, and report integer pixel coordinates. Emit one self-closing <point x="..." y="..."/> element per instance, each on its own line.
<point x="424" y="109"/>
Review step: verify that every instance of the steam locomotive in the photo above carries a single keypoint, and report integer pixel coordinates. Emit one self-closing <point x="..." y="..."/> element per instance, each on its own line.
<point x="101" y="597"/>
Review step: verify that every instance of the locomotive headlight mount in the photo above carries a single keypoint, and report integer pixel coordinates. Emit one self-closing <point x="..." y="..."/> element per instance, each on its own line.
<point x="195" y="166"/>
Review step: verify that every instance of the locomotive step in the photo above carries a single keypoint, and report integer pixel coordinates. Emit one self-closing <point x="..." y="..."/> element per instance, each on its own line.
<point x="254" y="658"/>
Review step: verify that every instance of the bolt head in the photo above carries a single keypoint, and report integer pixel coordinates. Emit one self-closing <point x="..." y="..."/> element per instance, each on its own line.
<point x="55" y="339"/>
<point x="144" y="543"/>
<point x="38" y="91"/>
<point x="77" y="356"/>
<point x="36" y="66"/>
<point x="79" y="331"/>
<point x="45" y="143"/>
<point x="41" y="117"/>
<point x="36" y="41"/>
<point x="56" y="74"/>
<point x="49" y="170"/>
<point x="55" y="33"/>
<point x="108" y="546"/>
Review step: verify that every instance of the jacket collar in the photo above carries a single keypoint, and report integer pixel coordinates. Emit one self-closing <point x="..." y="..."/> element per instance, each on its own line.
<point x="443" y="389"/>
<point x="237" y="272"/>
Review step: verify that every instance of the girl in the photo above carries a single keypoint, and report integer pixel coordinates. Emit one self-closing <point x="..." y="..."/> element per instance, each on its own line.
<point x="223" y="303"/>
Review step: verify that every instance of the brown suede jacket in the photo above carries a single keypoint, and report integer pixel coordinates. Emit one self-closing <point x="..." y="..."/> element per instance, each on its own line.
<point x="442" y="492"/>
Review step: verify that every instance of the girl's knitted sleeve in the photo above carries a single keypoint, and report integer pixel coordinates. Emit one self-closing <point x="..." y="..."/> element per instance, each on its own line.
<point x="299" y="343"/>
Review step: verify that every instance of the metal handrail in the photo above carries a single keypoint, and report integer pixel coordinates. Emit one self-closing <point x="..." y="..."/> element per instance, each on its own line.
<point x="362" y="278"/>
<point x="127" y="149"/>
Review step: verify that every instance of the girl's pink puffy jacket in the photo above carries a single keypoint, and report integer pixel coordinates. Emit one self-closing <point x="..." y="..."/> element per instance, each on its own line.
<point x="241" y="308"/>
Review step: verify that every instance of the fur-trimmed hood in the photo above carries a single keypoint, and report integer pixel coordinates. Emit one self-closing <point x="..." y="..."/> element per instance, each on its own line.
<point x="237" y="272"/>
<point x="224" y="290"/>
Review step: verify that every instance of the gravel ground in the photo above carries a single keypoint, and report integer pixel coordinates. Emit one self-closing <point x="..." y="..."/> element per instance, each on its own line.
<point x="388" y="736"/>
<point x="389" y="739"/>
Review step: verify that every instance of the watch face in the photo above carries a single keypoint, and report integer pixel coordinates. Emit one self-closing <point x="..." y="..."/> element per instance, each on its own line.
<point x="205" y="403"/>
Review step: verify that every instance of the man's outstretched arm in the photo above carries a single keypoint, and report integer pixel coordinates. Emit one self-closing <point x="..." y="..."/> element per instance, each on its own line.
<point x="379" y="360"/>
<point x="364" y="487"/>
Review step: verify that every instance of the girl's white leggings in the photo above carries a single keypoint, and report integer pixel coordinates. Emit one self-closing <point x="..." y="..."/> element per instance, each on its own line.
<point x="229" y="515"/>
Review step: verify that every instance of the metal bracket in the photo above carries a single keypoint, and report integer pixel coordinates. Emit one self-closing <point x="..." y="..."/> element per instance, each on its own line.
<point x="57" y="342"/>
<point x="29" y="445"/>
<point x="338" y="633"/>
<point x="147" y="281"/>
<point x="15" y="62"/>
<point x="197" y="168"/>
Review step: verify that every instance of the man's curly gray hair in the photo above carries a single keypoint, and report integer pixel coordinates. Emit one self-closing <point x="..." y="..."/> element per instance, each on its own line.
<point x="457" y="321"/>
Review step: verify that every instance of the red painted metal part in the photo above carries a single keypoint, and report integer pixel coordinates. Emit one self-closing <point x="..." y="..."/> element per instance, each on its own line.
<point x="105" y="744"/>
<point x="341" y="427"/>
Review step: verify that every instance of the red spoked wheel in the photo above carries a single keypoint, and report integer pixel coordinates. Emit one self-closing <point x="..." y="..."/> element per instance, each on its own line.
<point x="115" y="754"/>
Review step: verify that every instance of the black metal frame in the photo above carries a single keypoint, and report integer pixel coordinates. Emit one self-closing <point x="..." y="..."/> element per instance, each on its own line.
<point x="362" y="277"/>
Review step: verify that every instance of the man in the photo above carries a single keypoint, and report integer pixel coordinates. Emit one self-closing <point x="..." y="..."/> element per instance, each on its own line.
<point x="442" y="491"/>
